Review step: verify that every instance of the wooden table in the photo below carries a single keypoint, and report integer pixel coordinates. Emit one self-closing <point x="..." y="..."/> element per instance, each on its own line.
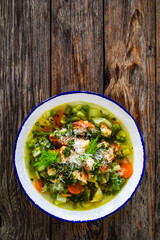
<point x="106" y="46"/>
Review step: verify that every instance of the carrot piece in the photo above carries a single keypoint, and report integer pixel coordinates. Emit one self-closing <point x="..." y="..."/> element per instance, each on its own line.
<point x="75" y="188"/>
<point x="66" y="194"/>
<point x="46" y="128"/>
<point x="58" y="117"/>
<point x="103" y="168"/>
<point x="39" y="185"/>
<point x="126" y="170"/>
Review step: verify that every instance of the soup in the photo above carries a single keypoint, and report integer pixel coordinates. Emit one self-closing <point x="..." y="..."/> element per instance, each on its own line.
<point x="79" y="155"/>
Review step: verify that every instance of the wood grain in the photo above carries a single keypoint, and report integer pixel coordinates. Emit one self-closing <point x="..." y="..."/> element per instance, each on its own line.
<point x="130" y="79"/>
<point x="77" y="45"/>
<point x="48" y="47"/>
<point x="157" y="127"/>
<point x="25" y="82"/>
<point x="77" y="64"/>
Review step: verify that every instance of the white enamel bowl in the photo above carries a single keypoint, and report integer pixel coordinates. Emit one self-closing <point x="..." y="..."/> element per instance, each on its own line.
<point x="125" y="194"/>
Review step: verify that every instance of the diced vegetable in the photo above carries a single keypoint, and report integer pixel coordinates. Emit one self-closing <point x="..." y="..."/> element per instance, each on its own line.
<point x="122" y="139"/>
<point x="75" y="188"/>
<point x="68" y="110"/>
<point x="98" y="120"/>
<point x="53" y="195"/>
<point x="36" y="152"/>
<point x="39" y="185"/>
<point x="126" y="170"/>
<point x="126" y="152"/>
<point x="37" y="175"/>
<point x="46" y="114"/>
<point x="81" y="115"/>
<point x="120" y="134"/>
<point x="97" y="196"/>
<point x="94" y="112"/>
<point x="115" y="129"/>
<point x="87" y="205"/>
<point x="73" y="119"/>
<point x="79" y="107"/>
<point x="53" y="113"/>
<point x="61" y="199"/>
<point x="58" y="117"/>
<point x="86" y="107"/>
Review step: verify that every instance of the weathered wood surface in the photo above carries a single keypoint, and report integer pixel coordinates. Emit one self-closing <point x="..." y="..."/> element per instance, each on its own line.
<point x="130" y="65"/>
<point x="157" y="128"/>
<point x="77" y="64"/>
<point x="25" y="82"/>
<point x="106" y="46"/>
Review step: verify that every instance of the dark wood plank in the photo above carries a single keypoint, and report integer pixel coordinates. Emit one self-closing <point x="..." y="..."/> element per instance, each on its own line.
<point x="77" y="64"/>
<point x="77" y="45"/>
<point x="130" y="79"/>
<point x="157" y="164"/>
<point x="25" y="82"/>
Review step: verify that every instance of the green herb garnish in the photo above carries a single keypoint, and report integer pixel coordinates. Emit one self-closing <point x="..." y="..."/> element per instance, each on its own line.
<point x="92" y="148"/>
<point x="46" y="159"/>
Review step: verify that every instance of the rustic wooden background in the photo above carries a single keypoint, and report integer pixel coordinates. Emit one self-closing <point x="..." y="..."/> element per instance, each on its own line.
<point x="105" y="46"/>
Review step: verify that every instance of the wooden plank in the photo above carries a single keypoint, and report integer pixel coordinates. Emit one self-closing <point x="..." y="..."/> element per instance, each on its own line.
<point x="158" y="33"/>
<point x="77" y="64"/>
<point x="130" y="79"/>
<point x="157" y="164"/>
<point x="77" y="46"/>
<point x="25" y="82"/>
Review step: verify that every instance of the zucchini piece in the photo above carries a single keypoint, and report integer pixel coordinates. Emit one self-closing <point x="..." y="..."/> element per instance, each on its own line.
<point x="97" y="196"/>
<point x="86" y="107"/>
<point x="79" y="107"/>
<point x="68" y="110"/>
<point x="37" y="175"/>
<point x="60" y="199"/>
<point x="120" y="134"/>
<point x="98" y="120"/>
<point x="93" y="112"/>
<point x="86" y="204"/>
<point x="47" y="114"/>
<point x="81" y="115"/>
<point x="73" y="119"/>
<point x="126" y="152"/>
<point x="36" y="152"/>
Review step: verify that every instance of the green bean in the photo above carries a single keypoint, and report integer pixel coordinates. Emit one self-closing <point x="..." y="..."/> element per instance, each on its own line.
<point x="68" y="110"/>
<point x="79" y="107"/>
<point x="74" y="119"/>
<point x="39" y="134"/>
<point x="86" y="107"/>
<point x="81" y="115"/>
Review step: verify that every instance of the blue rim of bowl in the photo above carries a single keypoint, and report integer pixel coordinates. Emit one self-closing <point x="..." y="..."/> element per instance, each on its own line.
<point x="91" y="93"/>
